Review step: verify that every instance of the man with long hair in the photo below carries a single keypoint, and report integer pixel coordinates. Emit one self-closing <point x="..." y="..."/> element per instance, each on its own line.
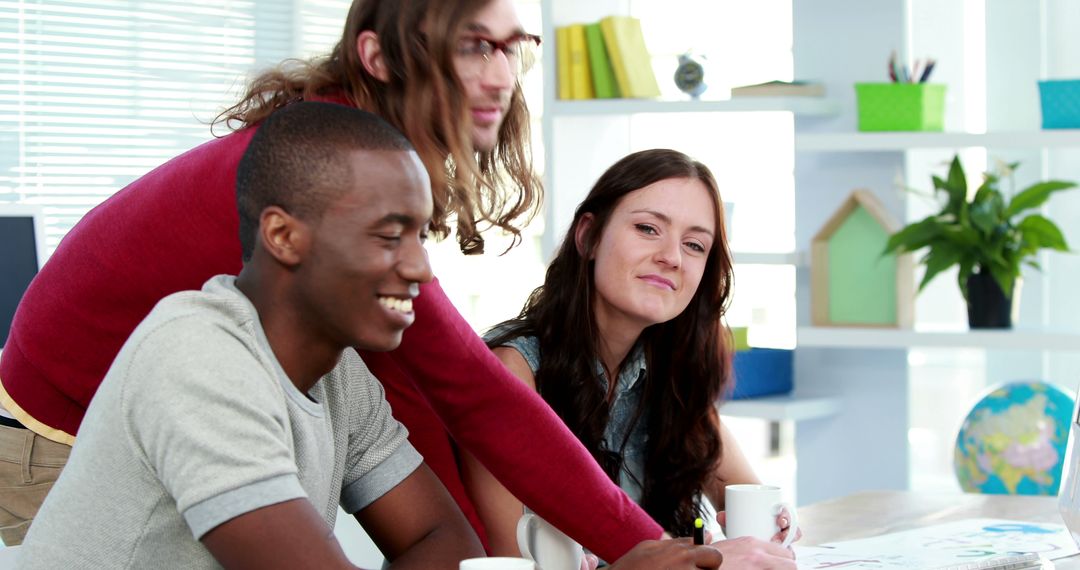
<point x="444" y="72"/>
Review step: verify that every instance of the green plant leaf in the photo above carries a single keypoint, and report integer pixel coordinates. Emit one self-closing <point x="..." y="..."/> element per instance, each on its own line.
<point x="939" y="259"/>
<point x="956" y="185"/>
<point x="1036" y="195"/>
<point x="1005" y="279"/>
<point x="987" y="214"/>
<point x="913" y="236"/>
<point x="960" y="235"/>
<point x="1041" y="232"/>
<point x="989" y="252"/>
<point x="966" y="269"/>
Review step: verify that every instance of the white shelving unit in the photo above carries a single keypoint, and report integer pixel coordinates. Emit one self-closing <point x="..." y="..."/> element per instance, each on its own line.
<point x="851" y="396"/>
<point x="865" y="445"/>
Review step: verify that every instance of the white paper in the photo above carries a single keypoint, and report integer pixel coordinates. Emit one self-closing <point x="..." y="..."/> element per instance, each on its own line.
<point x="949" y="544"/>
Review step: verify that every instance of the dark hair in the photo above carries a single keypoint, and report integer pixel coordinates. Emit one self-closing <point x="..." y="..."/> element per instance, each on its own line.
<point x="688" y="358"/>
<point x="425" y="99"/>
<point x="297" y="160"/>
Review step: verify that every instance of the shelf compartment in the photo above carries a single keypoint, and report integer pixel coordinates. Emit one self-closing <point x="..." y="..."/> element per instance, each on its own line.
<point x="858" y="337"/>
<point x="770" y="258"/>
<point x="780" y="408"/>
<point x="897" y="141"/>
<point x="802" y="106"/>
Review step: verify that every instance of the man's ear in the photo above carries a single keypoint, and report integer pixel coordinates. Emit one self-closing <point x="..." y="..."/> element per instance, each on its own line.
<point x="371" y="57"/>
<point x="581" y="231"/>
<point x="283" y="236"/>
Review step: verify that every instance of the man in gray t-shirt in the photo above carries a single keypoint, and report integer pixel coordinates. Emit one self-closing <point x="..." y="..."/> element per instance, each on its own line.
<point x="236" y="419"/>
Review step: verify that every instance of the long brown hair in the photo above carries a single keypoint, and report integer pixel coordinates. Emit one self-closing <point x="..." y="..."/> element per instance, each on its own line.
<point x="425" y="99"/>
<point x="688" y="358"/>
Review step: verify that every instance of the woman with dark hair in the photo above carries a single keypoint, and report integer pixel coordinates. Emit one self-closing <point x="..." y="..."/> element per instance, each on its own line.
<point x="625" y="340"/>
<point x="445" y="73"/>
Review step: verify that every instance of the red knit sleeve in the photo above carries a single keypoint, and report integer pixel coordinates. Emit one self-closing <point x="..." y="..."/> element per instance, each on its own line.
<point x="514" y="433"/>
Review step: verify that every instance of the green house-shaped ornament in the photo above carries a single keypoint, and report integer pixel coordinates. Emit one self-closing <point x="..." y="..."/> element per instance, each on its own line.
<point x="851" y="283"/>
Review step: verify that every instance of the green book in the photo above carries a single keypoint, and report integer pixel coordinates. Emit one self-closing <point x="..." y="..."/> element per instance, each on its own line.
<point x="603" y="76"/>
<point x="629" y="57"/>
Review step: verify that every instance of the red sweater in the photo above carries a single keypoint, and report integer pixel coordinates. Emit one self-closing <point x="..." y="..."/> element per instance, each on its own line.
<point x="176" y="227"/>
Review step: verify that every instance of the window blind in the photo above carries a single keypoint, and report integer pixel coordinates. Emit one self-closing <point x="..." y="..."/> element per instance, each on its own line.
<point x="95" y="93"/>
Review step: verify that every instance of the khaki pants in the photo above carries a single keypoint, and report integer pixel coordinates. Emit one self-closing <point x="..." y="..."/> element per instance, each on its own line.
<point x="29" y="465"/>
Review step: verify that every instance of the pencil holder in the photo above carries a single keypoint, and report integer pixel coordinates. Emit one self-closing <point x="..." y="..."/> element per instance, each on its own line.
<point x="900" y="106"/>
<point x="1060" y="100"/>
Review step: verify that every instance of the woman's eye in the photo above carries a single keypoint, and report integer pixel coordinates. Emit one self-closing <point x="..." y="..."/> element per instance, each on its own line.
<point x="645" y="229"/>
<point x="695" y="246"/>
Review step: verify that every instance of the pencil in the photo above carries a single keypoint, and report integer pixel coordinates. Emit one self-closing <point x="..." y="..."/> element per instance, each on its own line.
<point x="926" y="71"/>
<point x="699" y="531"/>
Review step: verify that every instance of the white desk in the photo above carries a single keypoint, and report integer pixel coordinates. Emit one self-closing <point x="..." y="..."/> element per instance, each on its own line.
<point x="867" y="514"/>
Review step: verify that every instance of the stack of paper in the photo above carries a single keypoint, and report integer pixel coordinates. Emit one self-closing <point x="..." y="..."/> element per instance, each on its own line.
<point x="780" y="89"/>
<point x="950" y="544"/>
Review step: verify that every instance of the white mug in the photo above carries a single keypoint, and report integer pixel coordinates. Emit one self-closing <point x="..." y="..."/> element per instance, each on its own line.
<point x="497" y="563"/>
<point x="751" y="510"/>
<point x="547" y="545"/>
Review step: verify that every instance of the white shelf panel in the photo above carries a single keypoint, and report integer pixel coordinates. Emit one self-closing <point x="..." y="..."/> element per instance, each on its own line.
<point x="856" y="337"/>
<point x="892" y="141"/>
<point x="768" y="258"/>
<point x="780" y="408"/>
<point x="803" y="106"/>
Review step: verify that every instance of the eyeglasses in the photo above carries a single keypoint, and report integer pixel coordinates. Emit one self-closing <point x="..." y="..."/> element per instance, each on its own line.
<point x="475" y="51"/>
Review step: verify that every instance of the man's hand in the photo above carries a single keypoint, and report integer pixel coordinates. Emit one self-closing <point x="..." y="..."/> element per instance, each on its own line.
<point x="747" y="552"/>
<point x="678" y="554"/>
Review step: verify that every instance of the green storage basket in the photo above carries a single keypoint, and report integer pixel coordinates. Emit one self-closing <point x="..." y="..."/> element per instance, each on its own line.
<point x="901" y="106"/>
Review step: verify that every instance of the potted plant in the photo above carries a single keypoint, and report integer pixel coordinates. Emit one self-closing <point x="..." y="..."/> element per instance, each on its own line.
<point x="987" y="235"/>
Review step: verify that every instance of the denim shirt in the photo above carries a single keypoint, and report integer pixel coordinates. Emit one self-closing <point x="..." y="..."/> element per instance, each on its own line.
<point x="628" y="394"/>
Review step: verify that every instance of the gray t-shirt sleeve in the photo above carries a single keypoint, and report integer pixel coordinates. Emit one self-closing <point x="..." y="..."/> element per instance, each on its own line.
<point x="210" y="422"/>
<point x="379" y="455"/>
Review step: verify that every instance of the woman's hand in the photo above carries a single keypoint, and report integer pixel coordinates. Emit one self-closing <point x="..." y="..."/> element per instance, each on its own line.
<point x="783" y="522"/>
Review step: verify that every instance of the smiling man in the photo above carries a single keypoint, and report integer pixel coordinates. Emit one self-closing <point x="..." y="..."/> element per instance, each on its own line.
<point x="237" y="418"/>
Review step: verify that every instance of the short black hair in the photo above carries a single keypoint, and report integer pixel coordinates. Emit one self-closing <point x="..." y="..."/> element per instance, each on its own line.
<point x="296" y="161"/>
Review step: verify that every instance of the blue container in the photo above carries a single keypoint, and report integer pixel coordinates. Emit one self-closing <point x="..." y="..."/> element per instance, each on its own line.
<point x="762" y="372"/>
<point x="1060" y="99"/>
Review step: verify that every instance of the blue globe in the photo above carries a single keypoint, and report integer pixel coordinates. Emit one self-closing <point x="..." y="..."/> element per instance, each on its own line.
<point x="1013" y="441"/>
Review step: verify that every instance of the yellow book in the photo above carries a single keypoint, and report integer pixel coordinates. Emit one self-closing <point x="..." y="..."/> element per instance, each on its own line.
<point x="562" y="66"/>
<point x="581" y="86"/>
<point x="629" y="57"/>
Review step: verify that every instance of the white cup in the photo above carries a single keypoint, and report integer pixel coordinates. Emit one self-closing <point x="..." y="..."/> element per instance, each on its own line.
<point x="751" y="510"/>
<point x="547" y="545"/>
<point x="497" y="563"/>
